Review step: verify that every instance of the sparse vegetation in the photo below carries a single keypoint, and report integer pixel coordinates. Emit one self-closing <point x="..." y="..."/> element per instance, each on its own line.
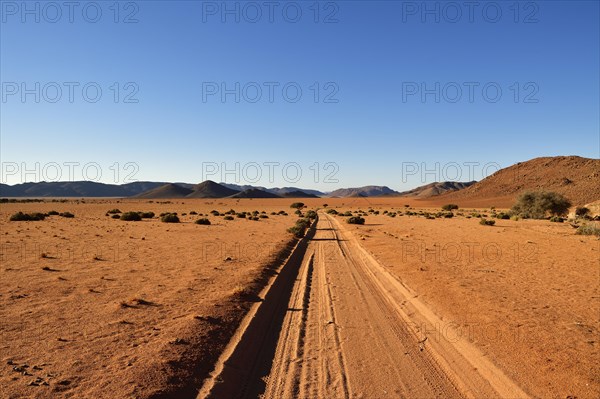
<point x="557" y="219"/>
<point x="588" y="229"/>
<point x="66" y="215"/>
<point x="449" y="207"/>
<point x="297" y="205"/>
<point x="486" y="222"/>
<point x="300" y="227"/>
<point x="115" y="216"/>
<point x="228" y="217"/>
<point x="356" y="220"/>
<point x="53" y="213"/>
<point x="131" y="217"/>
<point x="27" y="217"/>
<point x="113" y="211"/>
<point x="332" y="211"/>
<point x="146" y="215"/>
<point x="582" y="212"/>
<point x="538" y="204"/>
<point x="311" y="214"/>
<point x="170" y="218"/>
<point x="203" y="221"/>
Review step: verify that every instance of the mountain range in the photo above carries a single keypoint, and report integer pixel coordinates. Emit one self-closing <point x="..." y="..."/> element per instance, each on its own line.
<point x="575" y="177"/>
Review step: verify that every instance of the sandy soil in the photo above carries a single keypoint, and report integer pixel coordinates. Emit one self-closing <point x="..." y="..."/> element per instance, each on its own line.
<point x="159" y="302"/>
<point x="400" y="306"/>
<point x="527" y="293"/>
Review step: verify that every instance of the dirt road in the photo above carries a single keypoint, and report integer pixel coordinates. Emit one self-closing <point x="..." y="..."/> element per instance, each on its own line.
<point x="346" y="328"/>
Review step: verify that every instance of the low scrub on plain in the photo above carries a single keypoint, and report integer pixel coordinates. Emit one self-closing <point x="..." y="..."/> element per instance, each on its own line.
<point x="540" y="204"/>
<point x="170" y="218"/>
<point x="131" y="217"/>
<point x="27" y="217"/>
<point x="203" y="221"/>
<point x="589" y="229"/>
<point x="486" y="222"/>
<point x="297" y="205"/>
<point x="356" y="220"/>
<point x="449" y="207"/>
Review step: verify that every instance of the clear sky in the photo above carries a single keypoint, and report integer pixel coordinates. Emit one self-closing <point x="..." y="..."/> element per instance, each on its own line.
<point x="392" y="92"/>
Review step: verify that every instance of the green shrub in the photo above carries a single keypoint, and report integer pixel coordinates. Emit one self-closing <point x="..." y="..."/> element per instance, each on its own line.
<point x="53" y="213"/>
<point x="557" y="219"/>
<point x="131" y="217"/>
<point x="254" y="218"/>
<point x="113" y="211"/>
<point x="502" y="215"/>
<point x="228" y="217"/>
<point x="66" y="215"/>
<point x="449" y="207"/>
<point x="588" y="229"/>
<point x="486" y="222"/>
<point x="311" y="214"/>
<point x="582" y="211"/>
<point x="116" y="216"/>
<point x="193" y="213"/>
<point x="203" y="221"/>
<point x="264" y="216"/>
<point x="537" y="204"/>
<point x="297" y="205"/>
<point x="297" y="231"/>
<point x="146" y="215"/>
<point x="448" y="215"/>
<point x="355" y="220"/>
<point x="27" y="217"/>
<point x="241" y="215"/>
<point x="332" y="211"/>
<point x="514" y="217"/>
<point x="170" y="218"/>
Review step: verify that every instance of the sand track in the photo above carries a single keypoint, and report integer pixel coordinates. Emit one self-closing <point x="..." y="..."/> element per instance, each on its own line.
<point x="345" y="328"/>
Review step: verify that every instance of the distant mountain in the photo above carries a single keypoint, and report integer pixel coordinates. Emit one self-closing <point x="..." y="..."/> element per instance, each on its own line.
<point x="169" y="190"/>
<point x="366" y="191"/>
<point x="210" y="189"/>
<point x="76" y="189"/>
<point x="575" y="177"/>
<point x="434" y="189"/>
<point x="254" y="193"/>
<point x="298" y="194"/>
<point x="275" y="190"/>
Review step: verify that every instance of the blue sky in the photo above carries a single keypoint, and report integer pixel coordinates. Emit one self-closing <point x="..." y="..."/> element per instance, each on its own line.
<point x="362" y="68"/>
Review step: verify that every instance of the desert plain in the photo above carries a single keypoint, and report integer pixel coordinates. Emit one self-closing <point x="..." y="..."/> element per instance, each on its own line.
<point x="96" y="307"/>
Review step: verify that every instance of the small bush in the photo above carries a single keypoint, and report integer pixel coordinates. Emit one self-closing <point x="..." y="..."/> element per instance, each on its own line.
<point x="113" y="211"/>
<point x="502" y="215"/>
<point x="228" y="217"/>
<point x="297" y="205"/>
<point x="449" y="207"/>
<point x="241" y="215"/>
<point x="557" y="219"/>
<point x="582" y="211"/>
<point x="170" y="218"/>
<point x="203" y="221"/>
<point x="486" y="222"/>
<point x="514" y="217"/>
<point x="66" y="215"/>
<point x="193" y="213"/>
<point x="27" y="217"/>
<point x="355" y="220"/>
<point x="146" y="215"/>
<point x="53" y="213"/>
<point x="332" y="211"/>
<point x="297" y="231"/>
<point x="115" y="216"/>
<point x="264" y="216"/>
<point x="537" y="204"/>
<point x="131" y="217"/>
<point x="311" y="214"/>
<point x="588" y="229"/>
